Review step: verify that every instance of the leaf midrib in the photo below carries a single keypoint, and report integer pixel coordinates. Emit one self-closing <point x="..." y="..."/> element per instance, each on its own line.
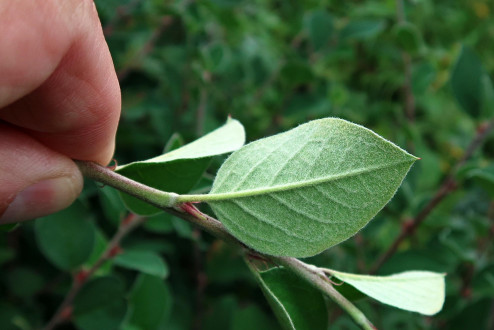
<point x="285" y="187"/>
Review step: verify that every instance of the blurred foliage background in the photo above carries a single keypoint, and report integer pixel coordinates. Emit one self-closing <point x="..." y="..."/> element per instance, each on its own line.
<point x="416" y="72"/>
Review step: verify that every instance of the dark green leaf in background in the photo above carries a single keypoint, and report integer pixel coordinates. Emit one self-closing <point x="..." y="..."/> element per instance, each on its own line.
<point x="100" y="245"/>
<point x="66" y="238"/>
<point x="24" y="282"/>
<point x="485" y="178"/>
<point x="113" y="207"/>
<point x="408" y="37"/>
<point x="362" y="29"/>
<point x="150" y="303"/>
<point x="319" y="25"/>
<point x="147" y="262"/>
<point x="159" y="223"/>
<point x="248" y="317"/>
<point x="100" y="305"/>
<point x="466" y="82"/>
<point x="296" y="304"/>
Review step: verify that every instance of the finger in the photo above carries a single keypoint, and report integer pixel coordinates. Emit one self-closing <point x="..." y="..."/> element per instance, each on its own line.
<point x="34" y="180"/>
<point x="57" y="80"/>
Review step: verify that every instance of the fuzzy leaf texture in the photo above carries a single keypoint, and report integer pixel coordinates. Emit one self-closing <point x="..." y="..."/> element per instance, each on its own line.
<point x="300" y="192"/>
<point x="417" y="291"/>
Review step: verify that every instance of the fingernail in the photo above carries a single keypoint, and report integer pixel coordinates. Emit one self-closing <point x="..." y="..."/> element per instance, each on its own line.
<point x="40" y="199"/>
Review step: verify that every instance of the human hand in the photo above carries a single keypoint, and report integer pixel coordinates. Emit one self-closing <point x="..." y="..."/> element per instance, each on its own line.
<point x="59" y="100"/>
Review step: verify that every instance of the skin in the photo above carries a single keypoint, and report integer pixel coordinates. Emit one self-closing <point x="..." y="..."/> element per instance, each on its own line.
<point x="59" y="100"/>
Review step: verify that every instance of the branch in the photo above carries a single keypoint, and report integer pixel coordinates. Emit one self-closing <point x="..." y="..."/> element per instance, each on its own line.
<point x="64" y="311"/>
<point x="449" y="184"/>
<point x="190" y="213"/>
<point x="316" y="278"/>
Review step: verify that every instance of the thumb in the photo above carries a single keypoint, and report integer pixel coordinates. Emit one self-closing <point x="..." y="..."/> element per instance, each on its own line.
<point x="34" y="180"/>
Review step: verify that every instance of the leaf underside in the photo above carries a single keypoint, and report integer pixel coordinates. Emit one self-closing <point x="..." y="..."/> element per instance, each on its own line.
<point x="180" y="169"/>
<point x="305" y="190"/>
<point x="416" y="291"/>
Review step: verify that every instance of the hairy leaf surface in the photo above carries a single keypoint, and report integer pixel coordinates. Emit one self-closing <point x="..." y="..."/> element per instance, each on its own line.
<point x="416" y="291"/>
<point x="305" y="190"/>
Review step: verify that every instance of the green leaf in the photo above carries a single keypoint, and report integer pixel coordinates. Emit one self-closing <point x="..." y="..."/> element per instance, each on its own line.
<point x="24" y="282"/>
<point x="466" y="82"/>
<point x="220" y="313"/>
<point x="416" y="291"/>
<point x="100" y="245"/>
<point x="252" y="316"/>
<point x="160" y="223"/>
<point x="296" y="73"/>
<point x="487" y="110"/>
<point x="408" y="37"/>
<point x="305" y="190"/>
<point x="180" y="169"/>
<point x="320" y="27"/>
<point x="150" y="302"/>
<point x="66" y="238"/>
<point x="290" y="298"/>
<point x="147" y="262"/>
<point x="362" y="29"/>
<point x="485" y="178"/>
<point x="100" y="304"/>
<point x="225" y="139"/>
<point x="112" y="205"/>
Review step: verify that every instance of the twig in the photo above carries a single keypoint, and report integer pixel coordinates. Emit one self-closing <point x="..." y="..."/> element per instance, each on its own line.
<point x="81" y="277"/>
<point x="449" y="184"/>
<point x="190" y="213"/>
<point x="312" y="276"/>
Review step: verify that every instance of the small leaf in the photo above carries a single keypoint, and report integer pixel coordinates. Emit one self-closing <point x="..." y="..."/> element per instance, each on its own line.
<point x="488" y="97"/>
<point x="100" y="304"/>
<point x="296" y="73"/>
<point x="305" y="190"/>
<point x="66" y="238"/>
<point x="416" y="291"/>
<point x="24" y="282"/>
<point x="362" y="29"/>
<point x="290" y="298"/>
<point x="112" y="204"/>
<point x="485" y="177"/>
<point x="174" y="142"/>
<point x="408" y="37"/>
<point x="180" y="169"/>
<point x="320" y="27"/>
<point x="160" y="223"/>
<point x="466" y="82"/>
<point x="225" y="139"/>
<point x="246" y="318"/>
<point x="147" y="262"/>
<point x="100" y="245"/>
<point x="150" y="302"/>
